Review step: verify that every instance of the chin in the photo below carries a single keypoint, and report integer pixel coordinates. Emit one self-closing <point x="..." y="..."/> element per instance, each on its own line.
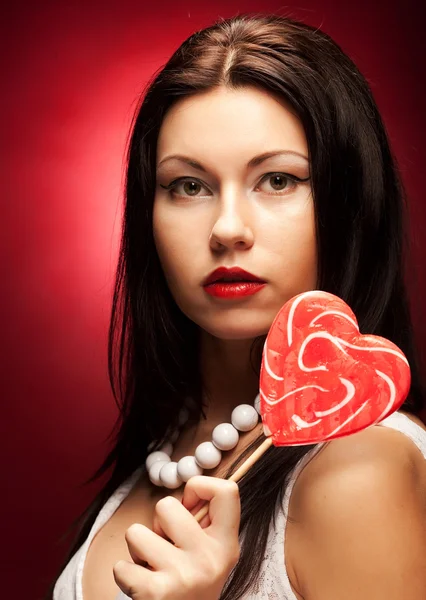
<point x="235" y="332"/>
<point x="234" y="324"/>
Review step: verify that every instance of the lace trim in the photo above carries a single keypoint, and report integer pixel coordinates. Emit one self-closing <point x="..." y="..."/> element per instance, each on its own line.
<point x="273" y="582"/>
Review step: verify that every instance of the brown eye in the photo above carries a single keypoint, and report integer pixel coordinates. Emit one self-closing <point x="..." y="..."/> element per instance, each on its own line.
<point x="185" y="188"/>
<point x="191" y="187"/>
<point x="279" y="182"/>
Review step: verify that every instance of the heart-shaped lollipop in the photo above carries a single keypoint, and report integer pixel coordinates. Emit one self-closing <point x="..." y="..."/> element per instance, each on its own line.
<point x="321" y="378"/>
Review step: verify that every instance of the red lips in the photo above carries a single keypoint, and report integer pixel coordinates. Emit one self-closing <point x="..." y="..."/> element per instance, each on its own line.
<point x="231" y="274"/>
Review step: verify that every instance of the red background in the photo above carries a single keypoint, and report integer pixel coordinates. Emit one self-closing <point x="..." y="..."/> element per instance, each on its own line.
<point x="72" y="74"/>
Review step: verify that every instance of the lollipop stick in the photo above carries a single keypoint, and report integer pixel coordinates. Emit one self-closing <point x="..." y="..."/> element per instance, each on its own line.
<point x="240" y="472"/>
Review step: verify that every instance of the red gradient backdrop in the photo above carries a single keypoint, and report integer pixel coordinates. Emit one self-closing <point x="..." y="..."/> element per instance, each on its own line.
<point x="72" y="74"/>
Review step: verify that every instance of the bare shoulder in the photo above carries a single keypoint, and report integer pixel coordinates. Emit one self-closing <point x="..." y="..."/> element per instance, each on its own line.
<point x="357" y="524"/>
<point x="376" y="448"/>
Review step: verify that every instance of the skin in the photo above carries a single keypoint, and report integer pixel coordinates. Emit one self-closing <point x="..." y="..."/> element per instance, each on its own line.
<point x="359" y="528"/>
<point x="358" y="508"/>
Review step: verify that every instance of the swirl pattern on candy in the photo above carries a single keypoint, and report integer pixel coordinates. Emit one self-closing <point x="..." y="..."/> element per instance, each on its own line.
<point x="321" y="378"/>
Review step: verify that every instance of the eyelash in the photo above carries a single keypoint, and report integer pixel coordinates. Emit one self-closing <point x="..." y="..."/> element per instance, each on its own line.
<point x="295" y="180"/>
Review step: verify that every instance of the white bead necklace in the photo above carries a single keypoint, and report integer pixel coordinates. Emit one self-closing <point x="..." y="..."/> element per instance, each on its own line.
<point x="163" y="471"/>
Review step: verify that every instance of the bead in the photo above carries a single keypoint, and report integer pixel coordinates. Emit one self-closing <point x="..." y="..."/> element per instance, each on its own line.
<point x="207" y="455"/>
<point x="257" y="403"/>
<point x="225" y="436"/>
<point x="155" y="457"/>
<point x="167" y="448"/>
<point x="183" y="416"/>
<point x="187" y="467"/>
<point x="169" y="476"/>
<point x="244" y="417"/>
<point x="154" y="471"/>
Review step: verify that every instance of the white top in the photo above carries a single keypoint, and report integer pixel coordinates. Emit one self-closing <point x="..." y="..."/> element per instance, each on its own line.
<point x="273" y="583"/>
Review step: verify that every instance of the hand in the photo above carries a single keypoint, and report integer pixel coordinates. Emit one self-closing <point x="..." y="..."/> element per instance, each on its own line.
<point x="199" y="563"/>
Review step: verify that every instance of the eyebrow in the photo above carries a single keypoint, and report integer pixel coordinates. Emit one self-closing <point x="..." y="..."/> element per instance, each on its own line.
<point x="254" y="162"/>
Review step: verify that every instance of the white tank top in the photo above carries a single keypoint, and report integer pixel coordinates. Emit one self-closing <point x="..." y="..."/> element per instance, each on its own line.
<point x="273" y="582"/>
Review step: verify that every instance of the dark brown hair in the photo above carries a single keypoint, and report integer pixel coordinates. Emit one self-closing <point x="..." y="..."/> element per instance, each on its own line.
<point x="359" y="204"/>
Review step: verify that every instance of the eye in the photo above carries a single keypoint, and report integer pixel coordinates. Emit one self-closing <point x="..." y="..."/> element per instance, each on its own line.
<point x="190" y="187"/>
<point x="282" y="182"/>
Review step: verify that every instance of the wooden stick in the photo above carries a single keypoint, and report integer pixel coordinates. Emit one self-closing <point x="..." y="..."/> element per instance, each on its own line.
<point x="239" y="473"/>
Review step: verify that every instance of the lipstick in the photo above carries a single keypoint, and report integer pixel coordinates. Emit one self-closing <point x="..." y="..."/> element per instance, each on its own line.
<point x="232" y="283"/>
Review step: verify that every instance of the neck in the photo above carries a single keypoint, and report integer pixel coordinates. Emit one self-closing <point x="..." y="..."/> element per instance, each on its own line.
<point x="229" y="379"/>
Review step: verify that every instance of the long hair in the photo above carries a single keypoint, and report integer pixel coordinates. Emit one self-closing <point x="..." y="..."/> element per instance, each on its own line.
<point x="360" y="225"/>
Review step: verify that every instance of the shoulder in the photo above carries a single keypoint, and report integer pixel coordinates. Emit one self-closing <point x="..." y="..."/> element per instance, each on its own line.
<point x="359" y="509"/>
<point x="377" y="450"/>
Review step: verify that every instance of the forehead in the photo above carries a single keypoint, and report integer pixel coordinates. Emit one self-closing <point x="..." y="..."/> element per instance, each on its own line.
<point x="226" y="123"/>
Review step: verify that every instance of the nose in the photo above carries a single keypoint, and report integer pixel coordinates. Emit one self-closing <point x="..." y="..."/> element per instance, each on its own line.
<point x="232" y="229"/>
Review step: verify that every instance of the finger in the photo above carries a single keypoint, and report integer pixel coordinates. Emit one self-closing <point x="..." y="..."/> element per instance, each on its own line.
<point x="177" y="523"/>
<point x="145" y="545"/>
<point x="224" y="502"/>
<point x="205" y="521"/>
<point x="135" y="580"/>
<point x="156" y="528"/>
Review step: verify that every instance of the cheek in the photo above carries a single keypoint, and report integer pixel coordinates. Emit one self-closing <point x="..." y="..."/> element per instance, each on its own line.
<point x="174" y="245"/>
<point x="180" y="256"/>
<point x="305" y="255"/>
<point x="292" y="238"/>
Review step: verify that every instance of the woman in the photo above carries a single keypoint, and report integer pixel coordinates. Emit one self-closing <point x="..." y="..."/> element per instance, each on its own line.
<point x="257" y="146"/>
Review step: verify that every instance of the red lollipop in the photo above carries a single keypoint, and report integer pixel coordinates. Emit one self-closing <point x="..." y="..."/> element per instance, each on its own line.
<point x="321" y="378"/>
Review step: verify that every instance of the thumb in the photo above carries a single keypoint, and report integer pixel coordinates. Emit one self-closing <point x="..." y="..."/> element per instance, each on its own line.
<point x="223" y="498"/>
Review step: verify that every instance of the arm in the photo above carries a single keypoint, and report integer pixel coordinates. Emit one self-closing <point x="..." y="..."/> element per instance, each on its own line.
<point x="360" y="529"/>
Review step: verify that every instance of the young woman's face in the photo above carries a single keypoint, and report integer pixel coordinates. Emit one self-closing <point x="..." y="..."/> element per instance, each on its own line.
<point x="229" y="213"/>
